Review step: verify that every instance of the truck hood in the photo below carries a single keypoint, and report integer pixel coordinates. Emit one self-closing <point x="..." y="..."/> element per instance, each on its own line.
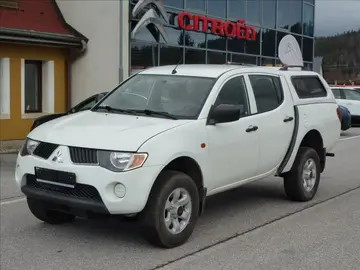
<point x="105" y="131"/>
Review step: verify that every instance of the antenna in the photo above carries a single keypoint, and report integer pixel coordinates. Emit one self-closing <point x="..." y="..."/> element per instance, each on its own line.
<point x="289" y="53"/>
<point x="178" y="63"/>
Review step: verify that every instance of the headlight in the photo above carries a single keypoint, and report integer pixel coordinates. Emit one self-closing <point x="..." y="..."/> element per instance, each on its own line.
<point x="121" y="161"/>
<point x="29" y="147"/>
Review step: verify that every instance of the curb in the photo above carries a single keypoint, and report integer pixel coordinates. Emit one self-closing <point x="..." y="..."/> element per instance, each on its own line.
<point x="9" y="151"/>
<point x="11" y="147"/>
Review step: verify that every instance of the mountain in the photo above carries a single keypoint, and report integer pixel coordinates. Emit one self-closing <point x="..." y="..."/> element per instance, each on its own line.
<point x="341" y="56"/>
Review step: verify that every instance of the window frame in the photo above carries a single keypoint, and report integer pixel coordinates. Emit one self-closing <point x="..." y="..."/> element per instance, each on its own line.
<point x="235" y="76"/>
<point x="342" y="95"/>
<point x="281" y="100"/>
<point x="38" y="64"/>
<point x="309" y="77"/>
<point x="349" y="90"/>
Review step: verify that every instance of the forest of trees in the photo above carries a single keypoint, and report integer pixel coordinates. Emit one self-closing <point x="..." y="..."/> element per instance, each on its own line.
<point x="341" y="56"/>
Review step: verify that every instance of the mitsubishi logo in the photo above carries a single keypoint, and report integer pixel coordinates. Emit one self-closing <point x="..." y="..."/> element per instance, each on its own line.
<point x="151" y="19"/>
<point x="59" y="158"/>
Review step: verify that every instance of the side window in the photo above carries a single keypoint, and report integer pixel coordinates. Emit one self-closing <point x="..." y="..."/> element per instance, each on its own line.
<point x="351" y="94"/>
<point x="308" y="87"/>
<point x="267" y="91"/>
<point x="234" y="92"/>
<point x="337" y="93"/>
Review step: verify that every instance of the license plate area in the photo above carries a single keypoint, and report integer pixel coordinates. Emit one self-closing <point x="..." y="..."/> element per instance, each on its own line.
<point x="54" y="177"/>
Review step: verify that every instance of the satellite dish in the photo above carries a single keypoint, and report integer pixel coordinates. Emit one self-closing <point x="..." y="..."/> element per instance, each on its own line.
<point x="289" y="52"/>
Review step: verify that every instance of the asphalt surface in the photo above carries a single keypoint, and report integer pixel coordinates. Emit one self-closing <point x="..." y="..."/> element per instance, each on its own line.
<point x="252" y="227"/>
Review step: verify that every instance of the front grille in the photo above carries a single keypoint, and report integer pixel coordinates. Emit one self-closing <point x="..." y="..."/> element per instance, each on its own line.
<point x="80" y="191"/>
<point x="83" y="155"/>
<point x="44" y="150"/>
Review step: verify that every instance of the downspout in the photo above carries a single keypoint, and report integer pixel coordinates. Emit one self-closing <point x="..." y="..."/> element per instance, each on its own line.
<point x="121" y="69"/>
<point x="73" y="54"/>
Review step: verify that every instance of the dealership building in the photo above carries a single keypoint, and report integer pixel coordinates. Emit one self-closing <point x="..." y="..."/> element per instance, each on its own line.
<point x="130" y="35"/>
<point x="207" y="31"/>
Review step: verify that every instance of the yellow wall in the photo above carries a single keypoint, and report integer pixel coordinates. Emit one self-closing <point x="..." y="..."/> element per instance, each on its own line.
<point x="16" y="128"/>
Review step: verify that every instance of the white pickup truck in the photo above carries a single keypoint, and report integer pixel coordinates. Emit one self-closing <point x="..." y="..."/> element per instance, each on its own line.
<point x="165" y="139"/>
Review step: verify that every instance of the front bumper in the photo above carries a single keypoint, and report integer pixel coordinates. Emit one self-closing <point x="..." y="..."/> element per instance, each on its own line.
<point x="94" y="188"/>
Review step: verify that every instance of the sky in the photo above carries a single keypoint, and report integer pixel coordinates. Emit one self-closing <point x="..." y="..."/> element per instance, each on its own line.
<point x="336" y="16"/>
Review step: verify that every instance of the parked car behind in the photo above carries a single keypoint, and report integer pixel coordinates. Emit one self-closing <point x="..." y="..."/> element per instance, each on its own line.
<point x="350" y="98"/>
<point x="345" y="118"/>
<point x="86" y="104"/>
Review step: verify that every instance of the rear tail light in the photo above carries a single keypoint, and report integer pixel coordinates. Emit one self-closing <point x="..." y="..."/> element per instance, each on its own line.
<point x="338" y="111"/>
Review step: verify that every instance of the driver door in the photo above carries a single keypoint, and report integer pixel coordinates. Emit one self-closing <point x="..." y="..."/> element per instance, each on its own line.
<point x="233" y="146"/>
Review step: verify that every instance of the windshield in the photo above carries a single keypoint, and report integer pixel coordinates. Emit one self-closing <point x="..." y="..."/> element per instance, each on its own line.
<point x="178" y="97"/>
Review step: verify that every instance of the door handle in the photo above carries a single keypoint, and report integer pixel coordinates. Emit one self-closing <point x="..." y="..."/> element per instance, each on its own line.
<point x="251" y="128"/>
<point x="288" y="119"/>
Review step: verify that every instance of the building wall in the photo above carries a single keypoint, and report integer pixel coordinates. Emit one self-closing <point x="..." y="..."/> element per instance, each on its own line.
<point x="272" y="19"/>
<point x="14" y="123"/>
<point x="98" y="69"/>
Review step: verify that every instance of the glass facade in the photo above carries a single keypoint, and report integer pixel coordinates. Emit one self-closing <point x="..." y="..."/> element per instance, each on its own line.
<point x="271" y="20"/>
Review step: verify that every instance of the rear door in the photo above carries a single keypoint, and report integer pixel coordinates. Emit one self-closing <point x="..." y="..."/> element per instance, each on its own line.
<point x="275" y="117"/>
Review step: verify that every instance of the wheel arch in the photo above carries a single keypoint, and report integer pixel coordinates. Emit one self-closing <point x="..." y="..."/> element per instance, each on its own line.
<point x="312" y="139"/>
<point x="190" y="167"/>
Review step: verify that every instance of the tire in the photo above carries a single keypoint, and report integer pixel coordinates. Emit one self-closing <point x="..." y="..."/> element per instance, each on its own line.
<point x="294" y="181"/>
<point x="154" y="216"/>
<point x="40" y="211"/>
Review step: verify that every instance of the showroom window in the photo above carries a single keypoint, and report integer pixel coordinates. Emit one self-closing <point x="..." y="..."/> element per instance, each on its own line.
<point x="308" y="20"/>
<point x="216" y="8"/>
<point x="269" y="13"/>
<point x="195" y="5"/>
<point x="271" y="24"/>
<point x="253" y="11"/>
<point x="174" y="3"/>
<point x="236" y="9"/>
<point x="289" y="15"/>
<point x="269" y="43"/>
<point x="143" y="55"/>
<point x="308" y="49"/>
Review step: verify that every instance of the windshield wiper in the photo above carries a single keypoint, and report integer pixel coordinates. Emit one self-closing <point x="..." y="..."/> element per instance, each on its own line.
<point x="151" y="112"/>
<point x="111" y="109"/>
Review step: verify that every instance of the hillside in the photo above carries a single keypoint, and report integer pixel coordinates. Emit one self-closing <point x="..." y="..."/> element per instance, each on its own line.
<point x="341" y="56"/>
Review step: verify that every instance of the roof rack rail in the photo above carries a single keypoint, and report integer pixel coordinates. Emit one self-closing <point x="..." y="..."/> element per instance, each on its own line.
<point x="240" y="64"/>
<point x="287" y="67"/>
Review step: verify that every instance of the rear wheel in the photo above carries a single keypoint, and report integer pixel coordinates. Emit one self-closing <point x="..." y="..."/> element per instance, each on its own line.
<point x="172" y="210"/>
<point x="40" y="210"/>
<point x="302" y="182"/>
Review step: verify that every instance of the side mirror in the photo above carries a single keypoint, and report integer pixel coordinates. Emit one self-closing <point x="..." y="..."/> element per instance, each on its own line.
<point x="225" y="113"/>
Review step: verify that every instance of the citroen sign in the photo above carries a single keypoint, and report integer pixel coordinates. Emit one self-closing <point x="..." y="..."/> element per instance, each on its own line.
<point x="151" y="18"/>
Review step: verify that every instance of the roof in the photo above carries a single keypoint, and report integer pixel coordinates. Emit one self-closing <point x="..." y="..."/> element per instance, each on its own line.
<point x="39" y="20"/>
<point x="354" y="87"/>
<point x="215" y="70"/>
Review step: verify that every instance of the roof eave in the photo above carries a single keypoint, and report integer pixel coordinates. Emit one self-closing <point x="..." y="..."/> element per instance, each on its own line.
<point x="29" y="36"/>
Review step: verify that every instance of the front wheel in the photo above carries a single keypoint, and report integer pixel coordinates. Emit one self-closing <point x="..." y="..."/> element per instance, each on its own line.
<point x="302" y="182"/>
<point x="172" y="210"/>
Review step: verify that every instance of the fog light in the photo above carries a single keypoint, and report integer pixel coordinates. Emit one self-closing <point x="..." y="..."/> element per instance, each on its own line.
<point x="119" y="190"/>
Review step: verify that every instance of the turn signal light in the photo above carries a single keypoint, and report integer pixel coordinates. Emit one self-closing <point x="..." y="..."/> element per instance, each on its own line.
<point x="338" y="111"/>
